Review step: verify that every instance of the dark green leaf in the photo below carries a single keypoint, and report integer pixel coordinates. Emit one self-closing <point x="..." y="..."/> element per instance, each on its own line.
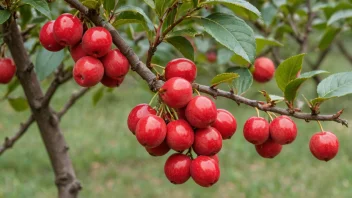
<point x="98" y="95"/>
<point x="342" y="14"/>
<point x="18" y="104"/>
<point x="244" y="81"/>
<point x="262" y="42"/>
<point x="162" y="5"/>
<point x="4" y="16"/>
<point x="170" y="19"/>
<point x="109" y="5"/>
<point x="185" y="32"/>
<point x="183" y="45"/>
<point x="40" y="5"/>
<point x="328" y="37"/>
<point x="47" y="62"/>
<point x="287" y="70"/>
<point x="150" y="3"/>
<point x="26" y="14"/>
<point x="92" y="4"/>
<point x="12" y="87"/>
<point x="336" y="85"/>
<point x="223" y="78"/>
<point x="268" y="11"/>
<point x="239" y="4"/>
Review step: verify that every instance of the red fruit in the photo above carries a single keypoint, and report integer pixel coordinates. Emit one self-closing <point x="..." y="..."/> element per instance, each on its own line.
<point x="180" y="135"/>
<point x="88" y="71"/>
<point x="215" y="157"/>
<point x="116" y="64"/>
<point x="181" y="67"/>
<point x="97" y="41"/>
<point x="77" y="52"/>
<point x="324" y="145"/>
<point x="207" y="141"/>
<point x="225" y="123"/>
<point x="283" y="130"/>
<point x="112" y="83"/>
<point x="181" y="113"/>
<point x="177" y="168"/>
<point x="256" y="130"/>
<point x="205" y="171"/>
<point x="68" y="30"/>
<point x="212" y="56"/>
<point x="264" y="70"/>
<point x="160" y="150"/>
<point x="7" y="70"/>
<point x="268" y="149"/>
<point x="176" y="92"/>
<point x="137" y="113"/>
<point x="151" y="131"/>
<point x="201" y="112"/>
<point x="47" y="39"/>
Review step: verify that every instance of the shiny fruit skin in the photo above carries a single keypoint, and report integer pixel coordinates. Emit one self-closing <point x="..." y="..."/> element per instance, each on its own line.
<point x="47" y="39"/>
<point x="201" y="112"/>
<point x="225" y="123"/>
<point x="181" y="67"/>
<point x="256" y="130"/>
<point x="68" y="30"/>
<point x="177" y="168"/>
<point x="324" y="145"/>
<point x="88" y="71"/>
<point x="151" y="131"/>
<point x="116" y="64"/>
<point x="111" y="83"/>
<point x="97" y="41"/>
<point x="207" y="141"/>
<point x="264" y="70"/>
<point x="160" y="150"/>
<point x="7" y="70"/>
<point x="205" y="171"/>
<point x="77" y="52"/>
<point x="176" y="92"/>
<point x="268" y="149"/>
<point x="216" y="158"/>
<point x="180" y="135"/>
<point x="283" y="130"/>
<point x="137" y="113"/>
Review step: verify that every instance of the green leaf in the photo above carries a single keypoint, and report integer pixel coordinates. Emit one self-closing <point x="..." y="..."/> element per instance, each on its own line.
<point x="269" y="12"/>
<point x="191" y="32"/>
<point x="287" y="71"/>
<point x="239" y="4"/>
<point x="98" y="95"/>
<point x="336" y="85"/>
<point x="276" y="98"/>
<point x="150" y="3"/>
<point x="18" y="104"/>
<point x="328" y="37"/>
<point x="224" y="56"/>
<point x="171" y="17"/>
<point x="182" y="45"/>
<point x="318" y="100"/>
<point x="47" y="62"/>
<point x="232" y="32"/>
<point x="4" y="16"/>
<point x="109" y="5"/>
<point x="262" y="42"/>
<point x="292" y="87"/>
<point x="40" y="5"/>
<point x="223" y="78"/>
<point x="244" y="81"/>
<point x="92" y="4"/>
<point x="342" y="14"/>
<point x="12" y="87"/>
<point x="161" y="6"/>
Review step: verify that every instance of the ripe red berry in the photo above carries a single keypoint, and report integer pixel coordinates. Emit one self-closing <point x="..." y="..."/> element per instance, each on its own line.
<point x="176" y="92"/>
<point x="212" y="56"/>
<point x="77" y="52"/>
<point x="47" y="39"/>
<point x="256" y="130"/>
<point x="201" y="112"/>
<point x="283" y="130"/>
<point x="215" y="157"/>
<point x="7" y="70"/>
<point x="68" y="30"/>
<point x="116" y="64"/>
<point x="225" y="123"/>
<point x="97" y="41"/>
<point x="324" y="145"/>
<point x="180" y="135"/>
<point x="177" y="168"/>
<point x="137" y="113"/>
<point x="181" y="67"/>
<point x="264" y="70"/>
<point x="151" y="131"/>
<point x="207" y="141"/>
<point x="112" y="83"/>
<point x="268" y="149"/>
<point x="88" y="71"/>
<point x="160" y="150"/>
<point x="205" y="171"/>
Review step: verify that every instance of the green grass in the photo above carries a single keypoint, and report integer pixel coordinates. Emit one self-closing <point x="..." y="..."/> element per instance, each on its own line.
<point x="110" y="163"/>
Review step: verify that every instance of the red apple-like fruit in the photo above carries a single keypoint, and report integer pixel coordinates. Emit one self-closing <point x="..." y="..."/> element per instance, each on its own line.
<point x="137" y="113"/>
<point x="324" y="145"/>
<point x="201" y="112"/>
<point x="212" y="56"/>
<point x="177" y="168"/>
<point x="47" y="39"/>
<point x="68" y="30"/>
<point x="215" y="157"/>
<point x="176" y="92"/>
<point x="151" y="131"/>
<point x="181" y="67"/>
<point x="88" y="71"/>
<point x="268" y="149"/>
<point x="116" y="64"/>
<point x="283" y="130"/>
<point x="264" y="70"/>
<point x="207" y="141"/>
<point x="180" y="135"/>
<point x="77" y="52"/>
<point x="7" y="70"/>
<point x="256" y="130"/>
<point x="110" y="82"/>
<point x="205" y="171"/>
<point x="225" y="123"/>
<point x="160" y="150"/>
<point x="97" y="41"/>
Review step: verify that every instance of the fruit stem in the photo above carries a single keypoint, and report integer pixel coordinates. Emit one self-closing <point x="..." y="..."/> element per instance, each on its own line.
<point x="271" y="118"/>
<point x="161" y="110"/>
<point x="197" y="92"/>
<point x="168" y="110"/>
<point x="155" y="65"/>
<point x="152" y="100"/>
<point x="175" y="113"/>
<point x="258" y="115"/>
<point x="321" y="126"/>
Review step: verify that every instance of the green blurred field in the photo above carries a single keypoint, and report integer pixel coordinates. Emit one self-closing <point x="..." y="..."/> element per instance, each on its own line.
<point x="110" y="163"/>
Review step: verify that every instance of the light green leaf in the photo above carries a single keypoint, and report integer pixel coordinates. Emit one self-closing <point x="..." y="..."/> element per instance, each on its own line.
<point x="336" y="85"/>
<point x="47" y="62"/>
<point x="109" y="5"/>
<point x="242" y="4"/>
<point x="182" y="45"/>
<point x="92" y="4"/>
<point x="269" y="11"/>
<point x="98" y="95"/>
<point x="4" y="16"/>
<point x="244" y="81"/>
<point x="262" y="42"/>
<point x="191" y="32"/>
<point x="276" y="98"/>
<point x="40" y="5"/>
<point x="150" y="3"/>
<point x="161" y="6"/>
<point x="223" y="78"/>
<point x="328" y="37"/>
<point x="339" y="15"/>
<point x="287" y="70"/>
<point x="224" y="56"/>
<point x="318" y="100"/>
<point x="18" y="104"/>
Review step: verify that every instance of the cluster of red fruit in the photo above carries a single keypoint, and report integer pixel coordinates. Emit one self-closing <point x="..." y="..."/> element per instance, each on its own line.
<point x="7" y="70"/>
<point x="91" y="50"/>
<point x="183" y="123"/>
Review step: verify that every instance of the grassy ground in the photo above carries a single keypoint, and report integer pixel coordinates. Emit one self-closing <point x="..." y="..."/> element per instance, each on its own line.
<point x="110" y="163"/>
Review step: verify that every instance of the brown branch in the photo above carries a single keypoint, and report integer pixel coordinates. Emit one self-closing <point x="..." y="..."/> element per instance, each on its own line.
<point x="74" y="97"/>
<point x="344" y="51"/>
<point x="308" y="28"/>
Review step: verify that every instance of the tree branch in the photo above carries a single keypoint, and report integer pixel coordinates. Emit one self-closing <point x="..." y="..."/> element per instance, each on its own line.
<point x="74" y="97"/>
<point x="344" y="51"/>
<point x="308" y="28"/>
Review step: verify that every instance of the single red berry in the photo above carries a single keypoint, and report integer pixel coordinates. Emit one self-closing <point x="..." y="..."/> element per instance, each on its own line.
<point x="181" y="67"/>
<point x="7" y="70"/>
<point x="116" y="64"/>
<point x="225" y="123"/>
<point x="201" y="112"/>
<point x="77" y="52"/>
<point x="112" y="83"/>
<point x="205" y="171"/>
<point x="88" y="71"/>
<point x="324" y="145"/>
<point x="180" y="135"/>
<point x="160" y="150"/>
<point x="176" y="92"/>
<point x="207" y="141"/>
<point x="47" y="39"/>
<point x="283" y="130"/>
<point x="177" y="168"/>
<point x="68" y="30"/>
<point x="268" y="149"/>
<point x="256" y="130"/>
<point x="212" y="56"/>
<point x="264" y="70"/>
<point x="137" y="113"/>
<point x="151" y="131"/>
<point x="97" y="41"/>
<point x="215" y="157"/>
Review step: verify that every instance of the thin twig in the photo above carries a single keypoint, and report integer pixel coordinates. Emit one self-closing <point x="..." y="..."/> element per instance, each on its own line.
<point x="344" y="51"/>
<point x="74" y="97"/>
